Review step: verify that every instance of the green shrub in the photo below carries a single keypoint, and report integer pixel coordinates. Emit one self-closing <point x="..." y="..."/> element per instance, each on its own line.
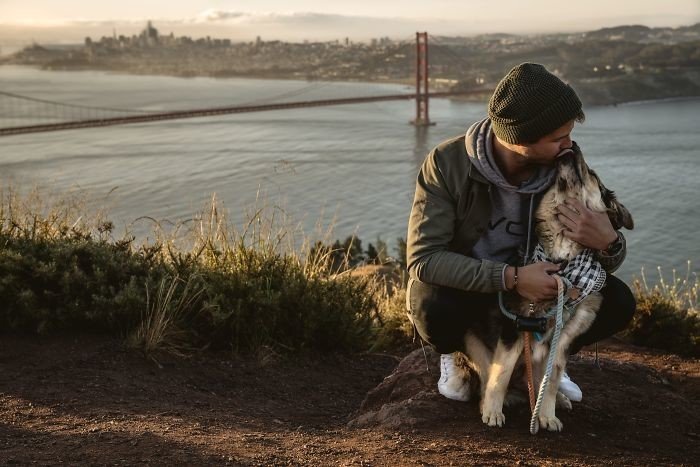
<point x="72" y="283"/>
<point x="214" y="285"/>
<point x="263" y="290"/>
<point x="59" y="270"/>
<point x="667" y="314"/>
<point x="257" y="299"/>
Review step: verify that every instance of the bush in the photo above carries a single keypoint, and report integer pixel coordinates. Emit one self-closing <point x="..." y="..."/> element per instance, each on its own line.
<point x="58" y="271"/>
<point x="667" y="314"/>
<point x="61" y="270"/>
<point x="258" y="299"/>
<point x="73" y="283"/>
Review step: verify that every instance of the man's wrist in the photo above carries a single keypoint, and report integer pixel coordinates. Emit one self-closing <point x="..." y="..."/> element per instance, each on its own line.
<point x="510" y="278"/>
<point x="614" y="246"/>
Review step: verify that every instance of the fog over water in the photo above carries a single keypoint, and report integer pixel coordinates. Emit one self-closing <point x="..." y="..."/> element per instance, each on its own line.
<point x="356" y="163"/>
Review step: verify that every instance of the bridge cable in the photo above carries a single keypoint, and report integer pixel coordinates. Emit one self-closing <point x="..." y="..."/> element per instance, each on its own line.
<point x="76" y="106"/>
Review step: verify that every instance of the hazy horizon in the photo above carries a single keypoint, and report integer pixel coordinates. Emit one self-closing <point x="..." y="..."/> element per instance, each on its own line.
<point x="70" y="21"/>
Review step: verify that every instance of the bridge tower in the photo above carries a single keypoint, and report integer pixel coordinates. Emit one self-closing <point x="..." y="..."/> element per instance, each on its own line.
<point x="422" y="118"/>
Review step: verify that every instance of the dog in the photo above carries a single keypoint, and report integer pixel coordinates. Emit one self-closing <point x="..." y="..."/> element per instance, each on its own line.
<point x="494" y="348"/>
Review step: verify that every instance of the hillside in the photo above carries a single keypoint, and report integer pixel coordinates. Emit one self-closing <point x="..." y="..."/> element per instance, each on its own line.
<point x="88" y="401"/>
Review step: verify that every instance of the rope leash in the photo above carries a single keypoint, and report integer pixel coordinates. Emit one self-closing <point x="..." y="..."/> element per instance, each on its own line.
<point x="558" y="326"/>
<point x="528" y="370"/>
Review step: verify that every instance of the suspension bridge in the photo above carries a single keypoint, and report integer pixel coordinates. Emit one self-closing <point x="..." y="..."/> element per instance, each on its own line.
<point x="67" y="116"/>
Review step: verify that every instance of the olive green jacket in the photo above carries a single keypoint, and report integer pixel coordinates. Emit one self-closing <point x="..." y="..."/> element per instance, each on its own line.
<point x="451" y="210"/>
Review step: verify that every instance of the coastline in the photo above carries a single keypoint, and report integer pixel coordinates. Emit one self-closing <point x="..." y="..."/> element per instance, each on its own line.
<point x="283" y="77"/>
<point x="652" y="101"/>
<point x="261" y="77"/>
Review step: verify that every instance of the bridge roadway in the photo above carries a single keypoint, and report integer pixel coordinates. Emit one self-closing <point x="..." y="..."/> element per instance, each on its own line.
<point x="152" y="117"/>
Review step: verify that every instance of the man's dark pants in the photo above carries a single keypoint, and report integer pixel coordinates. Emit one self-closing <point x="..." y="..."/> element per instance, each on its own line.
<point x="442" y="315"/>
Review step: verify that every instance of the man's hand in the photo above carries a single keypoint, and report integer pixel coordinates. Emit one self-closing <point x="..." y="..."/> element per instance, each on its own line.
<point x="535" y="282"/>
<point x="589" y="228"/>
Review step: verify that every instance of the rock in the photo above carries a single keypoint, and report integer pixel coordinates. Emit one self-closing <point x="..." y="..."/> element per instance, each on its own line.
<point x="408" y="396"/>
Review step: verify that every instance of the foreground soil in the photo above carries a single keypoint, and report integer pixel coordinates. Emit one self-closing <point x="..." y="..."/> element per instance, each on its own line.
<point x="90" y="401"/>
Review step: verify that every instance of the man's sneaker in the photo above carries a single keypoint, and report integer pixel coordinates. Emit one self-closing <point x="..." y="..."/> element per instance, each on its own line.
<point x="570" y="389"/>
<point x="454" y="381"/>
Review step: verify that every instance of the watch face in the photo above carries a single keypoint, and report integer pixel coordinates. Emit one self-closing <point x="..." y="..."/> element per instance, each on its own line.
<point x="615" y="246"/>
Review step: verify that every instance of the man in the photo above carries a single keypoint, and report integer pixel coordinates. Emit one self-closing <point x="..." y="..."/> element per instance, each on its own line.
<point x="471" y="216"/>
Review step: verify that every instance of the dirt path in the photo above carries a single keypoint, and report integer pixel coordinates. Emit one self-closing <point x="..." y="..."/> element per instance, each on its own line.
<point x="87" y="400"/>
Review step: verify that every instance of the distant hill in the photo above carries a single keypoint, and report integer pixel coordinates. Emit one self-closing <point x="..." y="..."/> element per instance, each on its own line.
<point x="645" y="34"/>
<point x="606" y="66"/>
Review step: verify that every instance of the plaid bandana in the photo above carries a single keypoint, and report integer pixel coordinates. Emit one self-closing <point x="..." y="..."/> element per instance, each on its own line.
<point x="584" y="272"/>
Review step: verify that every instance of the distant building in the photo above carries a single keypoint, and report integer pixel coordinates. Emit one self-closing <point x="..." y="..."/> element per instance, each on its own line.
<point x="149" y="36"/>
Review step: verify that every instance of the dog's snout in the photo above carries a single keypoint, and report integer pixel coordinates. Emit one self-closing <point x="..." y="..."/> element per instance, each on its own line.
<point x="566" y="159"/>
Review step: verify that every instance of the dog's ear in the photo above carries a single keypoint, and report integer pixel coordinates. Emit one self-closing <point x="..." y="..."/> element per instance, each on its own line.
<point x="617" y="212"/>
<point x="619" y="215"/>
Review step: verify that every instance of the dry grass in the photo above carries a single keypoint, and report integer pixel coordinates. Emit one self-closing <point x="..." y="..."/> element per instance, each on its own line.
<point x="49" y="216"/>
<point x="667" y="313"/>
<point x="160" y="327"/>
<point x="681" y="291"/>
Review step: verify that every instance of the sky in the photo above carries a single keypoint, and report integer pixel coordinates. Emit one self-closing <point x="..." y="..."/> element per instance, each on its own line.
<point x="66" y="21"/>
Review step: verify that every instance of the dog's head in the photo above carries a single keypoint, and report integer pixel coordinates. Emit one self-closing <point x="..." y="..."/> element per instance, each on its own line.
<point x="574" y="176"/>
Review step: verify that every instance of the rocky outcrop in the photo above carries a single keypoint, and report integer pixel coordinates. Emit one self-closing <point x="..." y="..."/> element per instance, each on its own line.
<point x="408" y="396"/>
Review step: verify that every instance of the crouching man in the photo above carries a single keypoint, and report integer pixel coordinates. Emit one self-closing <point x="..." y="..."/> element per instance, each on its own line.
<point x="471" y="217"/>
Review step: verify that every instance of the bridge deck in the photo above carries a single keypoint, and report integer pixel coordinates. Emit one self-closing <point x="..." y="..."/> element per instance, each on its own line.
<point x="217" y="111"/>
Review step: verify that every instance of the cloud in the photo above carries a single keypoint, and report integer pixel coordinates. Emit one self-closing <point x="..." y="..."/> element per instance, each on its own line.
<point x="213" y="15"/>
<point x="238" y="17"/>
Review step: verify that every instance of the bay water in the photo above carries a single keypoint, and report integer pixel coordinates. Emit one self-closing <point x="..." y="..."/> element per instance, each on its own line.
<point x="352" y="166"/>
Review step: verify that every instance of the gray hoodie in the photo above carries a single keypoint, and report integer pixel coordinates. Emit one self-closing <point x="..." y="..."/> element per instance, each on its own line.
<point x="506" y="234"/>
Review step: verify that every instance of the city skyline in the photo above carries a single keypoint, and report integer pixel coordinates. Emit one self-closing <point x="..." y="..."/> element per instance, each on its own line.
<point x="71" y="21"/>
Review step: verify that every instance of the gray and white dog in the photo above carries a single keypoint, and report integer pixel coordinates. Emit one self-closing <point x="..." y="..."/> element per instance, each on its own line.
<point x="494" y="348"/>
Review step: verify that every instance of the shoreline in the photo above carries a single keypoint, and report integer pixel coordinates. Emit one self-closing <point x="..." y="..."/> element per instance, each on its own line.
<point x="404" y="83"/>
<point x="651" y="101"/>
<point x="265" y="77"/>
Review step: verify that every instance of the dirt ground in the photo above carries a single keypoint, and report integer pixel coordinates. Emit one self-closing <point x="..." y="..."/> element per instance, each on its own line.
<point x="89" y="401"/>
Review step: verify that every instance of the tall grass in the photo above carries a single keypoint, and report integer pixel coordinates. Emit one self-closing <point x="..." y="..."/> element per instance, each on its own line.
<point x="262" y="285"/>
<point x="160" y="326"/>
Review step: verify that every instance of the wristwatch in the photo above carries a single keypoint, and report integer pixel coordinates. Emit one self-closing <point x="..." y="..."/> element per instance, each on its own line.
<point x="615" y="246"/>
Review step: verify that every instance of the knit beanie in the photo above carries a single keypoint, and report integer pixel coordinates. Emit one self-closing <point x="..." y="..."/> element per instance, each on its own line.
<point x="529" y="103"/>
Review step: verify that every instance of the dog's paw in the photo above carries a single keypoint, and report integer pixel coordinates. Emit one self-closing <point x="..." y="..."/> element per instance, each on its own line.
<point x="551" y="423"/>
<point x="563" y="402"/>
<point x="493" y="418"/>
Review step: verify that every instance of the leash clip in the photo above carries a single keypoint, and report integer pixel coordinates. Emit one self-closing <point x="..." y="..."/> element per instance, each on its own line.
<point x="527" y="324"/>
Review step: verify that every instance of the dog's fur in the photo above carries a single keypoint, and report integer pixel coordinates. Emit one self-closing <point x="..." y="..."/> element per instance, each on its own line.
<point x="494" y="348"/>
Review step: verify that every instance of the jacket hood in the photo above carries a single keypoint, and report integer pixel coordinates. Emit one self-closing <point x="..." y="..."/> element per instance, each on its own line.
<point x="480" y="152"/>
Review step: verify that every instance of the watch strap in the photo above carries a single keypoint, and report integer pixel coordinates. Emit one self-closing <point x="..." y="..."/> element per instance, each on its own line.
<point x="614" y="247"/>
